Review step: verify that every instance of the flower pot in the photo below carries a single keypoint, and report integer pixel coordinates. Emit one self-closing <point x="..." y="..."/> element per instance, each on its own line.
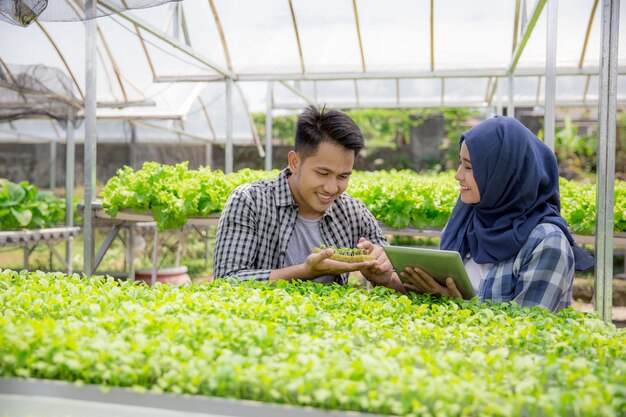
<point x="175" y="275"/>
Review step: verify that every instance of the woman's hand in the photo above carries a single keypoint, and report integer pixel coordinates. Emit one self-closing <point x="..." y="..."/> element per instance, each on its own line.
<point x="420" y="281"/>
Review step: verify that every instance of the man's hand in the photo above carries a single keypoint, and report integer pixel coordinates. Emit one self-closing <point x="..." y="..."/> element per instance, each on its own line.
<point x="318" y="264"/>
<point x="383" y="273"/>
<point x="420" y="281"/>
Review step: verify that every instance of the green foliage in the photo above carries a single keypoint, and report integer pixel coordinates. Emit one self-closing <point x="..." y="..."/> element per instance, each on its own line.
<point x="575" y="152"/>
<point x="173" y="193"/>
<point x="403" y="198"/>
<point x="398" y="199"/>
<point x="345" y="251"/>
<point x="23" y="206"/>
<point x="380" y="127"/>
<point x="620" y="146"/>
<point x="314" y="345"/>
<point x="283" y="127"/>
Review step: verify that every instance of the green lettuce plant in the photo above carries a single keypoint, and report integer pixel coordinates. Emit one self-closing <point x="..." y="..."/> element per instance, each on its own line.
<point x="309" y="344"/>
<point x="24" y="206"/>
<point x="398" y="199"/>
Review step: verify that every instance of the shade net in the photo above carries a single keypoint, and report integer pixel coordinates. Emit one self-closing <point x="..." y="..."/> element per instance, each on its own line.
<point x="24" y="12"/>
<point x="28" y="91"/>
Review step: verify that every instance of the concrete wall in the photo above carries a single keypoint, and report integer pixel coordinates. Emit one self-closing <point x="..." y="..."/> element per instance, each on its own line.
<point x="425" y="143"/>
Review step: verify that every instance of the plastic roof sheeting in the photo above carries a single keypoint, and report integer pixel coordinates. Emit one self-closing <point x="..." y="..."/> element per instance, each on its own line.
<point x="166" y="65"/>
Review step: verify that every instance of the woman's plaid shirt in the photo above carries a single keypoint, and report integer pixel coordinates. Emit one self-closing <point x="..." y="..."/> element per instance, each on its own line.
<point x="541" y="274"/>
<point x="259" y="218"/>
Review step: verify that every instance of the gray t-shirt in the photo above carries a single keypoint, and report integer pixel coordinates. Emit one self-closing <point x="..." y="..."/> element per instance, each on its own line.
<point x="306" y="236"/>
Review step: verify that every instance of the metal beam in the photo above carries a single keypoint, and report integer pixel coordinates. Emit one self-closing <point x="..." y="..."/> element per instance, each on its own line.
<point x="510" y="108"/>
<point x="62" y="58"/>
<point x="220" y="31"/>
<point x="528" y="30"/>
<point x="53" y="165"/>
<point x="132" y="152"/>
<point x="205" y="112"/>
<point x="403" y="75"/>
<point x="255" y="134"/>
<point x="106" y="244"/>
<point x="499" y="100"/>
<point x="358" y="34"/>
<point x="297" y="92"/>
<point x="607" y="110"/>
<point x="516" y="21"/>
<point x="297" y="32"/>
<point x="268" y="126"/>
<point x="90" y="135"/>
<point x="587" y="33"/>
<point x="430" y="104"/>
<point x="25" y="93"/>
<point x="69" y="186"/>
<point x="165" y="38"/>
<point x="228" y="147"/>
<point x="550" y="90"/>
<point x="432" y="35"/>
<point x="174" y="130"/>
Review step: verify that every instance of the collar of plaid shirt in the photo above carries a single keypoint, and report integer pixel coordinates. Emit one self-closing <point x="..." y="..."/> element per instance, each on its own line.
<point x="253" y="251"/>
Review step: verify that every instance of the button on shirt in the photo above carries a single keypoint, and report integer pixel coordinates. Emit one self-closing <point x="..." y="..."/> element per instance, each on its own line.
<point x="259" y="219"/>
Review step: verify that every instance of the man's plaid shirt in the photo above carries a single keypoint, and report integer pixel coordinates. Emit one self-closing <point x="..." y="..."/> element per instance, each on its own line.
<point x="259" y="218"/>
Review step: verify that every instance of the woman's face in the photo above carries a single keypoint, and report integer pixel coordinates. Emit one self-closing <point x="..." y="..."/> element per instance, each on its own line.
<point x="465" y="176"/>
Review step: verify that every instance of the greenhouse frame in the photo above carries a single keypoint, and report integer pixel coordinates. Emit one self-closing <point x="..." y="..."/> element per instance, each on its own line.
<point x="194" y="71"/>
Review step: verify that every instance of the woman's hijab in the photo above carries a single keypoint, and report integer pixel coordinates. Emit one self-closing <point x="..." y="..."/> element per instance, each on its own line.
<point x="518" y="179"/>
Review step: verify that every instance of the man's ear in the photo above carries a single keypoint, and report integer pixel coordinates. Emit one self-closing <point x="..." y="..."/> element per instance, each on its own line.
<point x="294" y="161"/>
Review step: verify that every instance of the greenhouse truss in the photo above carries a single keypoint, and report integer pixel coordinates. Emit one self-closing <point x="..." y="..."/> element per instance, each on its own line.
<point x="167" y="64"/>
<point x="195" y="70"/>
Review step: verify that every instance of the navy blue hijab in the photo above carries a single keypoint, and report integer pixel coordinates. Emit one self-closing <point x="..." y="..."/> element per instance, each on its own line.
<point x="518" y="179"/>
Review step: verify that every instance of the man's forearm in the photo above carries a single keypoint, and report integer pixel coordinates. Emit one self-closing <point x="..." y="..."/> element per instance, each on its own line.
<point x="290" y="273"/>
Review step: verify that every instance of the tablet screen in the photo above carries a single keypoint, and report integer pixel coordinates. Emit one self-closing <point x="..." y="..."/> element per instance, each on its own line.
<point x="437" y="263"/>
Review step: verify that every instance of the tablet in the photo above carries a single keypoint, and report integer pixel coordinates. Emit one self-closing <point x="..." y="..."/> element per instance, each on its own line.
<point x="439" y="264"/>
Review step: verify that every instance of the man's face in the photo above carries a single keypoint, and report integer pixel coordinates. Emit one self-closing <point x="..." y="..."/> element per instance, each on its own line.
<point x="319" y="179"/>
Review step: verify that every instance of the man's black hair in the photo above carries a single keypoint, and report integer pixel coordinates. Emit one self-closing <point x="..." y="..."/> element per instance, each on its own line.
<point x="316" y="125"/>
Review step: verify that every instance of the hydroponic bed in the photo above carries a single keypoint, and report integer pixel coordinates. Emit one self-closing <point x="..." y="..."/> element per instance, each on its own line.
<point x="329" y="347"/>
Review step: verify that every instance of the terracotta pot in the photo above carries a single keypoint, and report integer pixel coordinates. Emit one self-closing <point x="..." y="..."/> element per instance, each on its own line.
<point x="175" y="275"/>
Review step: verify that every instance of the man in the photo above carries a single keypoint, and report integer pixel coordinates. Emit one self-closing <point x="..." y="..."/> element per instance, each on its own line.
<point x="269" y="228"/>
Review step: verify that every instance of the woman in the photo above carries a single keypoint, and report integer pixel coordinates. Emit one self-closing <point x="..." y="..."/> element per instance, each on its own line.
<point x="506" y="223"/>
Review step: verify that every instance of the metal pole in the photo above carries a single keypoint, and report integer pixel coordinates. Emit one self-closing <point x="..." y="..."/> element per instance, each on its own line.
<point x="268" y="126"/>
<point x="133" y="146"/>
<point x="53" y="165"/>
<point x="90" y="133"/>
<point x="130" y="251"/>
<point x="155" y="244"/>
<point x="606" y="159"/>
<point x="69" y="186"/>
<point x="208" y="155"/>
<point x="228" y="163"/>
<point x="176" y="21"/>
<point x="510" y="109"/>
<point x="550" y="93"/>
<point x="500" y="93"/>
